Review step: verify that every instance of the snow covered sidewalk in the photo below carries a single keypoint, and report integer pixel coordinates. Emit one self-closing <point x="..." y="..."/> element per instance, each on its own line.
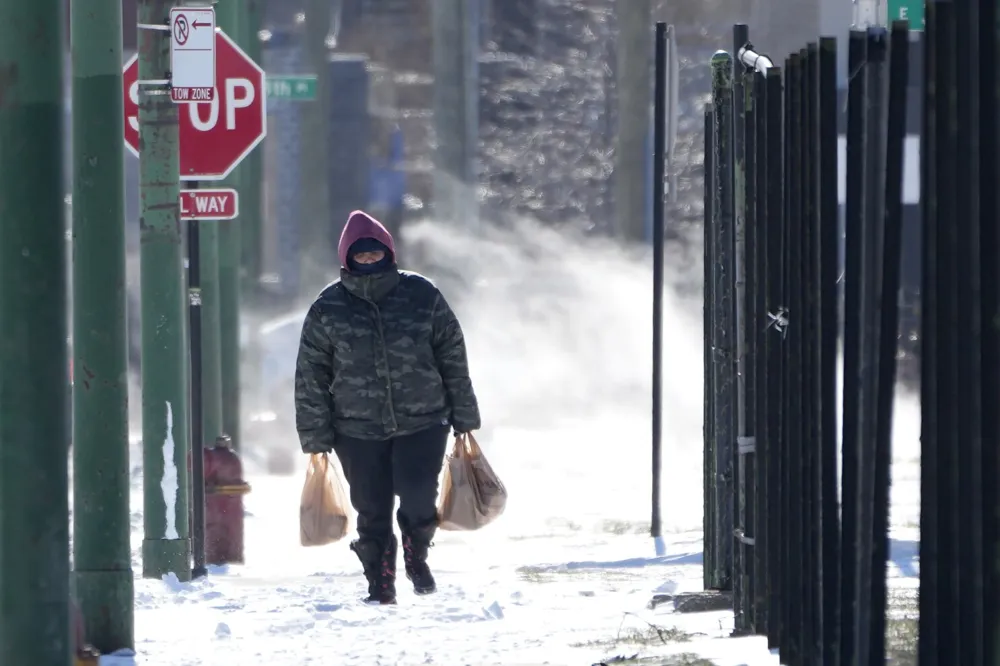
<point x="569" y="597"/>
<point x="563" y="578"/>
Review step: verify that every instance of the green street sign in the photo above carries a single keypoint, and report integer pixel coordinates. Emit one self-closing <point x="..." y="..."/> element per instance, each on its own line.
<point x="909" y="10"/>
<point x="295" y="87"/>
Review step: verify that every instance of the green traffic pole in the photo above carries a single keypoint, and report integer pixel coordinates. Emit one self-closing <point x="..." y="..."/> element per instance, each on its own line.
<point x="34" y="415"/>
<point x="166" y="547"/>
<point x="102" y="552"/>
<point x="229" y="15"/>
<point x="317" y="257"/>
<point x="251" y="218"/>
<point x="722" y="225"/>
<point x="253" y="175"/>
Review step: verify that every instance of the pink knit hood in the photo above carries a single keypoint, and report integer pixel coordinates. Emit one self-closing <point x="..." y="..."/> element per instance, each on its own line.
<point x="362" y="225"/>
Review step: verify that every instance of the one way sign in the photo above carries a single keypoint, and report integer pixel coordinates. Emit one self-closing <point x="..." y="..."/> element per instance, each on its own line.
<point x="220" y="204"/>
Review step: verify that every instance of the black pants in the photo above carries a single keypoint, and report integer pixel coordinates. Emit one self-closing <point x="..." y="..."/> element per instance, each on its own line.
<point x="378" y="471"/>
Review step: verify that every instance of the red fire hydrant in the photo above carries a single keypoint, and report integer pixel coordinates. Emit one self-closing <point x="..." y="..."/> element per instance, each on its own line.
<point x="224" y="491"/>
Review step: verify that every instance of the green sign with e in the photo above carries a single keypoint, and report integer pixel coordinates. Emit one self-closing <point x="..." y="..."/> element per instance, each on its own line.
<point x="907" y="10"/>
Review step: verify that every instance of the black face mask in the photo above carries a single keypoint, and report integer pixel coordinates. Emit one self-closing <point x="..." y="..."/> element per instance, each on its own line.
<point x="380" y="266"/>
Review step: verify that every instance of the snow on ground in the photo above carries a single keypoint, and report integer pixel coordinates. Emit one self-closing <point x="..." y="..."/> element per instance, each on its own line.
<point x="559" y="339"/>
<point x="558" y="592"/>
<point x="502" y="600"/>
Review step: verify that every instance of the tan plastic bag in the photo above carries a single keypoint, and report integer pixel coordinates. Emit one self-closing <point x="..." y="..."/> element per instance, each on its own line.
<point x="323" y="515"/>
<point x="472" y="495"/>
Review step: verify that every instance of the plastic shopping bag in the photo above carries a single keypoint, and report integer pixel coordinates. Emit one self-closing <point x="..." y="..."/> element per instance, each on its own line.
<point x="323" y="515"/>
<point x="472" y="495"/>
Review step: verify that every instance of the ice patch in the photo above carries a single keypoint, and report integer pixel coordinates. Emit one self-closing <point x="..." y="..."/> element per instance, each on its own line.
<point x="124" y="657"/>
<point x="170" y="483"/>
<point x="494" y="611"/>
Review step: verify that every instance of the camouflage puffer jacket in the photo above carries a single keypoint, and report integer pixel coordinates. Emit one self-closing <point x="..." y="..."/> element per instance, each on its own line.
<point x="381" y="356"/>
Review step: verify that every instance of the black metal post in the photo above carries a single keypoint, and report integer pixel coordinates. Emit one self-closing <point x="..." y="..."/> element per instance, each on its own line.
<point x="931" y="597"/>
<point x="710" y="537"/>
<point x="850" y="446"/>
<point x="968" y="354"/>
<point x="751" y="181"/>
<point x="659" y="163"/>
<point x="741" y="554"/>
<point x="773" y="229"/>
<point x="748" y="441"/>
<point x="793" y="408"/>
<point x="784" y="481"/>
<point x="724" y="351"/>
<point x="197" y="436"/>
<point x="828" y="267"/>
<point x="789" y="618"/>
<point x="874" y="174"/>
<point x="891" y="259"/>
<point x="950" y="613"/>
<point x="989" y="307"/>
<point x="757" y="327"/>
<point x="808" y="326"/>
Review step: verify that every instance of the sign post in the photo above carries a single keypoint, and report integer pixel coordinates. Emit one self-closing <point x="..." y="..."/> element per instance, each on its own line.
<point x="205" y="343"/>
<point x="220" y="95"/>
<point x="192" y="65"/>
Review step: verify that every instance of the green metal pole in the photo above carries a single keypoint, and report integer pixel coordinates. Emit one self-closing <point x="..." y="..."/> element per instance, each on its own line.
<point x="723" y="225"/>
<point x="317" y="257"/>
<point x="454" y="54"/>
<point x="102" y="552"/>
<point x="253" y="174"/>
<point x="251" y="218"/>
<point x="166" y="547"/>
<point x="34" y="415"/>
<point x="230" y="16"/>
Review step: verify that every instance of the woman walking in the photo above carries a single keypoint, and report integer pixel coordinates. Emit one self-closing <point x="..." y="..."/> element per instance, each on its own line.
<point x="381" y="379"/>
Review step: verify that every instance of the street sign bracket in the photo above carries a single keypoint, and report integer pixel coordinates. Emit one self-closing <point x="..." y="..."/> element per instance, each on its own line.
<point x="152" y="26"/>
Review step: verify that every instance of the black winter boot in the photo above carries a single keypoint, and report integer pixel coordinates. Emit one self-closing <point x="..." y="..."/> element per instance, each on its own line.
<point x="379" y="564"/>
<point x="415" y="546"/>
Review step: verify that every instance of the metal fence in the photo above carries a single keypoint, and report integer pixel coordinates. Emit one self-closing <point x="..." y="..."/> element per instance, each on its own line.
<point x="959" y="578"/>
<point x="805" y="563"/>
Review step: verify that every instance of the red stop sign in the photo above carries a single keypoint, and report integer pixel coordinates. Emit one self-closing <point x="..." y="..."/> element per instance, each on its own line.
<point x="214" y="136"/>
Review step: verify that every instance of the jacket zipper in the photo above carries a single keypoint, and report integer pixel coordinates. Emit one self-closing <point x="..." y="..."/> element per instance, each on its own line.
<point x="385" y="359"/>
